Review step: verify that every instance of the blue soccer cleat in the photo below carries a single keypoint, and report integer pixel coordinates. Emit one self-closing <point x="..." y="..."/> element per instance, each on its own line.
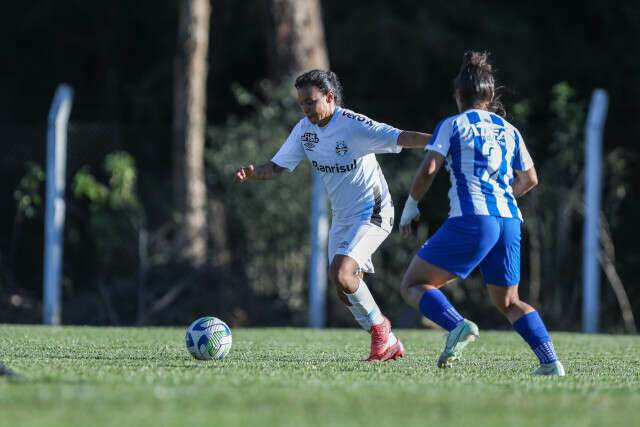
<point x="457" y="340"/>
<point x="550" y="369"/>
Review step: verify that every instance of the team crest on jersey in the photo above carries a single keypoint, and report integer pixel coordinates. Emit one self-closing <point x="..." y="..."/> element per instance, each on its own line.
<point x="341" y="148"/>
<point x="309" y="140"/>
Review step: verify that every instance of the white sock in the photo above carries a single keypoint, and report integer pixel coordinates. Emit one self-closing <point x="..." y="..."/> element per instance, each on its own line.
<point x="392" y="338"/>
<point x="364" y="308"/>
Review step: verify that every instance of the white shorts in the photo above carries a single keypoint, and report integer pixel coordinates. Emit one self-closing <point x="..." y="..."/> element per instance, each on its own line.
<point x="358" y="241"/>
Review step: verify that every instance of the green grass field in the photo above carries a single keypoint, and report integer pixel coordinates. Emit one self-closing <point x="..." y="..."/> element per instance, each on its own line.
<point x="77" y="376"/>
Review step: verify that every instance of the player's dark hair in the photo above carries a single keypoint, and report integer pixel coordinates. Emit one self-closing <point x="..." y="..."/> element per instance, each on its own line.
<point x="476" y="84"/>
<point x="325" y="81"/>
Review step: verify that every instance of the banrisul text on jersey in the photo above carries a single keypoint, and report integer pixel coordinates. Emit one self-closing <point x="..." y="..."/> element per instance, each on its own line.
<point x="334" y="168"/>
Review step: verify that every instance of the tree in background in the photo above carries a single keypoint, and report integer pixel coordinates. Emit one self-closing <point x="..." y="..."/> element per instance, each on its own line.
<point x="297" y="44"/>
<point x="189" y="125"/>
<point x="296" y="38"/>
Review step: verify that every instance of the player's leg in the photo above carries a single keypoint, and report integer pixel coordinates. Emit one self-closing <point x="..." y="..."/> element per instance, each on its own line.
<point x="454" y="250"/>
<point x="352" y="258"/>
<point x="526" y="321"/>
<point x="501" y="272"/>
<point x="337" y="236"/>
<point x="508" y="302"/>
<point x="345" y="275"/>
<point x="420" y="289"/>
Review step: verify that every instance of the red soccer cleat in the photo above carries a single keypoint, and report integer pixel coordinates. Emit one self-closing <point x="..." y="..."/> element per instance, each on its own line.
<point x="396" y="351"/>
<point x="380" y="348"/>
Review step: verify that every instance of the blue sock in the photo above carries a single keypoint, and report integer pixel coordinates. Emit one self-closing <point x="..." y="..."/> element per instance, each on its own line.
<point x="531" y="328"/>
<point x="435" y="306"/>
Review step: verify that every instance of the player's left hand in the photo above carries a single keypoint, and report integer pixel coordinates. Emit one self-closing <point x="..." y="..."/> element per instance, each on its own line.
<point x="410" y="213"/>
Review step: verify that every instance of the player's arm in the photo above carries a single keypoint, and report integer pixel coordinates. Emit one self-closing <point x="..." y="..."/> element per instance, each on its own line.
<point x="370" y="136"/>
<point x="422" y="181"/>
<point x="526" y="177"/>
<point x="262" y="172"/>
<point x="411" y="139"/>
<point x="524" y="181"/>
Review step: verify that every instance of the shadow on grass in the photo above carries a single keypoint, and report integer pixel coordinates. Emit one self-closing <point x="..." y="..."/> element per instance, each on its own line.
<point x="10" y="374"/>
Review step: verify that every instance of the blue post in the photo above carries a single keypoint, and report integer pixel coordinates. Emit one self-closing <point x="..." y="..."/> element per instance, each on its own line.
<point x="318" y="264"/>
<point x="593" y="189"/>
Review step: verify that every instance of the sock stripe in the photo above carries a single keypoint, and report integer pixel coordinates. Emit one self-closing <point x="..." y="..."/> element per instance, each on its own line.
<point x="453" y="315"/>
<point x="364" y="308"/>
<point x="371" y="315"/>
<point x="546" y="353"/>
<point x="435" y="306"/>
<point x="532" y="329"/>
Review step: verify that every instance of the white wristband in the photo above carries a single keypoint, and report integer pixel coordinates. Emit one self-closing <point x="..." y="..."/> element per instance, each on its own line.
<point x="411" y="202"/>
<point x="410" y="211"/>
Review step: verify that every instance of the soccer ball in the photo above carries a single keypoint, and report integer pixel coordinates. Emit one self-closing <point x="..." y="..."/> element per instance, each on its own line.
<point x="208" y="338"/>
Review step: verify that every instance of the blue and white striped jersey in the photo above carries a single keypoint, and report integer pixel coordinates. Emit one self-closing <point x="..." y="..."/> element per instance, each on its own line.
<point x="482" y="151"/>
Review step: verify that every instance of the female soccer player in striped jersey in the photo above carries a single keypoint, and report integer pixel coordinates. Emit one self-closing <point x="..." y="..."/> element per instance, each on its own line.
<point x="489" y="168"/>
<point x="341" y="146"/>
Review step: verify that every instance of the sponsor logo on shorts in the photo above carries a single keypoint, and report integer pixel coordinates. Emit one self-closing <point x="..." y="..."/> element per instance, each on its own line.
<point x="344" y="244"/>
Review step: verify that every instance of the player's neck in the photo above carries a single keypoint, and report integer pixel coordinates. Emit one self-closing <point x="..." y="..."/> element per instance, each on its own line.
<point x="480" y="106"/>
<point x="325" y="121"/>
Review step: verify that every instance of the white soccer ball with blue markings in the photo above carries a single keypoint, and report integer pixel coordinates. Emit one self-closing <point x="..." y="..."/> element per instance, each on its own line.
<point x="208" y="338"/>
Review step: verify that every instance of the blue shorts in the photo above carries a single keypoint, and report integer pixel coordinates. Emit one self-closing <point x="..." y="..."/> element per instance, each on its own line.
<point x="464" y="242"/>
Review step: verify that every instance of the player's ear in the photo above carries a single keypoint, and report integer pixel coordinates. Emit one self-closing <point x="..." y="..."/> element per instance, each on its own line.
<point x="331" y="97"/>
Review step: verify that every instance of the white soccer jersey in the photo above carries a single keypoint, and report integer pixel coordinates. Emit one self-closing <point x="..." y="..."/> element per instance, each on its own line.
<point x="343" y="153"/>
<point x="482" y="152"/>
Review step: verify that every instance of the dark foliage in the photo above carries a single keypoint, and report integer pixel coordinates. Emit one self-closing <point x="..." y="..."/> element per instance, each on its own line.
<point x="396" y="60"/>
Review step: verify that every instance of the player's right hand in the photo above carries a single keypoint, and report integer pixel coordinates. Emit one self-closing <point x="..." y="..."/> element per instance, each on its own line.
<point x="242" y="174"/>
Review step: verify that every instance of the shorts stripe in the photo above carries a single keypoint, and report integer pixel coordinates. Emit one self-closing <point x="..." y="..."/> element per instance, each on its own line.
<point x="376" y="218"/>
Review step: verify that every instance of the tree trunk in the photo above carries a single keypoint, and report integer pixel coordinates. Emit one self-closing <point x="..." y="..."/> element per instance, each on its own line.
<point x="189" y="129"/>
<point x="296" y="42"/>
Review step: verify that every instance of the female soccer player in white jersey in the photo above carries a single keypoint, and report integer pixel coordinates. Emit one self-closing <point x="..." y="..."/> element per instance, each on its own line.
<point x="489" y="168"/>
<point x="341" y="146"/>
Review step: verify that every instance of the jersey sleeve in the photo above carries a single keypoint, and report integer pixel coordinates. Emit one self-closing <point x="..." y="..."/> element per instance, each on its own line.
<point x="441" y="139"/>
<point x="522" y="160"/>
<point x="291" y="152"/>
<point x="370" y="136"/>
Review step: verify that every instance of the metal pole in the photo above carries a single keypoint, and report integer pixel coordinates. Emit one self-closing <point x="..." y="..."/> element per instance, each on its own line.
<point x="318" y="265"/>
<point x="593" y="188"/>
<point x="54" y="204"/>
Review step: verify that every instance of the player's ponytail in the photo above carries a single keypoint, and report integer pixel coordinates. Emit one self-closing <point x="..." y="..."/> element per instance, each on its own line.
<point x="476" y="85"/>
<point x="325" y="81"/>
<point x="337" y="87"/>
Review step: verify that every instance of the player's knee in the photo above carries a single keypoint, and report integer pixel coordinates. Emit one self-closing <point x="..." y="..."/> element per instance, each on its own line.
<point x="406" y="294"/>
<point x="342" y="296"/>
<point x="411" y="291"/>
<point x="504" y="304"/>
<point x="404" y="288"/>
<point x="342" y="277"/>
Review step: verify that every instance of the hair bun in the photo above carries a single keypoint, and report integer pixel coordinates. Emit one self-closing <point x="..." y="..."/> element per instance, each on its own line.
<point x="477" y="60"/>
